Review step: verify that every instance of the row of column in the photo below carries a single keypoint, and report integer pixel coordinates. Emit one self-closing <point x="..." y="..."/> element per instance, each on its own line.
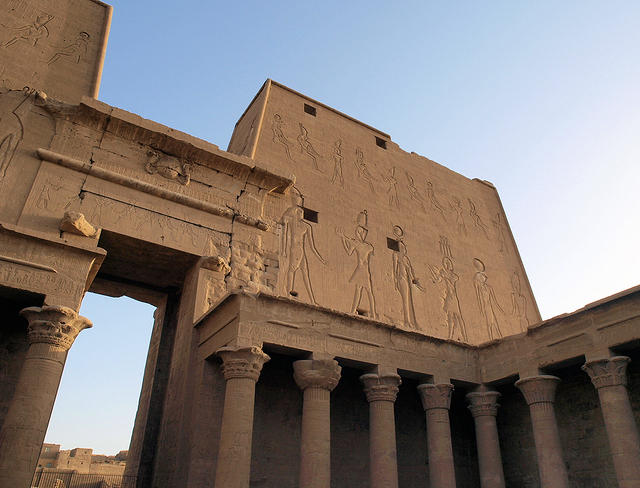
<point x="317" y="378"/>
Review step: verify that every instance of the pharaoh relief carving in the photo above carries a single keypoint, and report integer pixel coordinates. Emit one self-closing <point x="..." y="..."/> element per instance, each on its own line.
<point x="168" y="167"/>
<point x="14" y="108"/>
<point x="487" y="302"/>
<point x="518" y="302"/>
<point x="456" y="206"/>
<point x="306" y="147"/>
<point x="392" y="189"/>
<point x="457" y="330"/>
<point x="404" y="279"/>
<point x="297" y="239"/>
<point x="73" y="51"/>
<point x="29" y="33"/>
<point x="363" y="171"/>
<point x="476" y="219"/>
<point x="414" y="193"/>
<point x="499" y="226"/>
<point x="361" y="275"/>
<point x="338" y="159"/>
<point x="277" y="127"/>
<point x="433" y="201"/>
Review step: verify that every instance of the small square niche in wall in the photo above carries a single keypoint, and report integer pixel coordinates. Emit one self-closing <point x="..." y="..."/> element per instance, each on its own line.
<point x="310" y="215"/>
<point x="381" y="143"/>
<point x="309" y="109"/>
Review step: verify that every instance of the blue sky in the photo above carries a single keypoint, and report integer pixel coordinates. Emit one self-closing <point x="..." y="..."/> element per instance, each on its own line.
<point x="541" y="98"/>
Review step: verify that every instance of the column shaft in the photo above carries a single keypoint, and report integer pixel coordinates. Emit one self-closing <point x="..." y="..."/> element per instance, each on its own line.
<point x="609" y="377"/>
<point x="436" y="400"/>
<point x="539" y="392"/>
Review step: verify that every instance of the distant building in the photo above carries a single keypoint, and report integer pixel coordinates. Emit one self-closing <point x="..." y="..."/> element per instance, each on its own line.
<point x="80" y="460"/>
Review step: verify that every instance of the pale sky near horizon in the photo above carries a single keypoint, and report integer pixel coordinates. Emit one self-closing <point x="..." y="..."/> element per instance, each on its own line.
<point x="541" y="98"/>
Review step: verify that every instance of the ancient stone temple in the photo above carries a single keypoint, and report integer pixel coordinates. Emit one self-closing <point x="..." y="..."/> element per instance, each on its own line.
<point x="331" y="310"/>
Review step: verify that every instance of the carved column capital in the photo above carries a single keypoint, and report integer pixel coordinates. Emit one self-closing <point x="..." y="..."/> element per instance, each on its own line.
<point x="607" y="372"/>
<point x="316" y="373"/>
<point x="55" y="325"/>
<point x="483" y="403"/>
<point x="435" y="396"/>
<point x="381" y="387"/>
<point x="538" y="389"/>
<point x="242" y="362"/>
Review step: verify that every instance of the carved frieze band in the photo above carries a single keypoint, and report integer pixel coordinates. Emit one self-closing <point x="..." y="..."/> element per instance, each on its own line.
<point x="244" y="362"/>
<point x="538" y="389"/>
<point x="145" y="187"/>
<point x="318" y="373"/>
<point x="54" y="325"/>
<point x="435" y="396"/>
<point x="381" y="388"/>
<point x="608" y="372"/>
<point x="483" y="403"/>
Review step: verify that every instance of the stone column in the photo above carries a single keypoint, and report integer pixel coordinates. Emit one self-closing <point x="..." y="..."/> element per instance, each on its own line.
<point x="241" y="368"/>
<point x="381" y="391"/>
<point x="484" y="408"/>
<point x="609" y="376"/>
<point x="436" y="400"/>
<point x="316" y="378"/>
<point x="51" y="330"/>
<point x="539" y="393"/>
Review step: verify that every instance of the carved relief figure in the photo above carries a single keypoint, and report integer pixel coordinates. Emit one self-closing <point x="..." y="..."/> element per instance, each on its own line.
<point x="166" y="167"/>
<point x="361" y="276"/>
<point x="30" y="33"/>
<point x="74" y="51"/>
<point x="456" y="206"/>
<point x="404" y="279"/>
<point x="12" y="118"/>
<point x="500" y="233"/>
<point x="307" y="147"/>
<point x="337" y="167"/>
<point x="413" y="191"/>
<point x="277" y="127"/>
<point x="487" y="301"/>
<point x="450" y="301"/>
<point x="518" y="302"/>
<point x="363" y="171"/>
<point x="390" y="178"/>
<point x="477" y="221"/>
<point x="445" y="248"/>
<point x="433" y="200"/>
<point x="297" y="237"/>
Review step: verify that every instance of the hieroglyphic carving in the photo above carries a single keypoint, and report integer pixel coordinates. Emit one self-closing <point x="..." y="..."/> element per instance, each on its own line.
<point x="277" y="127"/>
<point x="392" y="190"/>
<point x="74" y="50"/>
<point x="404" y="279"/>
<point x="475" y="217"/>
<point x="433" y="200"/>
<point x="361" y="276"/>
<point x="498" y="224"/>
<point x="450" y="302"/>
<point x="297" y="235"/>
<point x="518" y="302"/>
<point x="414" y="193"/>
<point x="163" y="164"/>
<point x="456" y="206"/>
<point x="363" y="171"/>
<point x="487" y="301"/>
<point x="30" y="33"/>
<point x="12" y="121"/>
<point x="307" y="147"/>
<point x="247" y="266"/>
<point x="338" y="160"/>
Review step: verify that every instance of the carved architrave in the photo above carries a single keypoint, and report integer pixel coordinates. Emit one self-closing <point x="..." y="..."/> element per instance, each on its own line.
<point x="318" y="373"/>
<point x="244" y="362"/>
<point x="381" y="388"/>
<point x="54" y="325"/>
<point x="435" y="396"/>
<point x="483" y="403"/>
<point x="608" y="372"/>
<point x="538" y="389"/>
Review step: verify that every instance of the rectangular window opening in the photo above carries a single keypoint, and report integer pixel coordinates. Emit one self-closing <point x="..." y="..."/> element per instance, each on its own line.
<point x="309" y="109"/>
<point x="381" y="143"/>
<point x="310" y="215"/>
<point x="393" y="244"/>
